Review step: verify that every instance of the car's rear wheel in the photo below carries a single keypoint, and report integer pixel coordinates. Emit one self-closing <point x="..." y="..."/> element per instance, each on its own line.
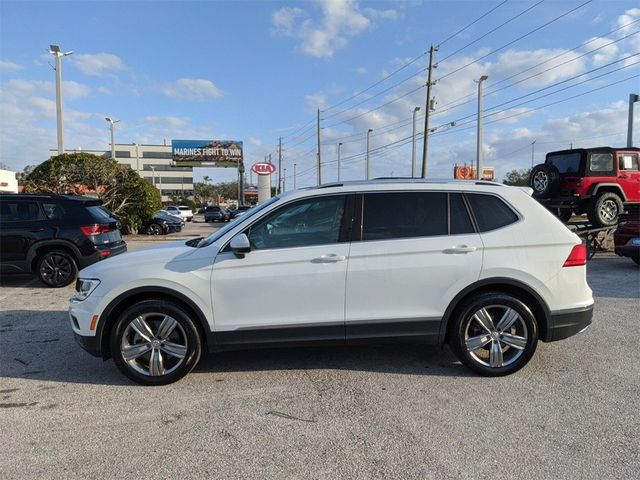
<point x="494" y="334"/>
<point x="154" y="229"/>
<point x="56" y="268"/>
<point x="155" y="343"/>
<point x="564" y="214"/>
<point x="605" y="210"/>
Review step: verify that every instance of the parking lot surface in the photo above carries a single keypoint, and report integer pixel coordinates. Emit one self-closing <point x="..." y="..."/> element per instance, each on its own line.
<point x="365" y="412"/>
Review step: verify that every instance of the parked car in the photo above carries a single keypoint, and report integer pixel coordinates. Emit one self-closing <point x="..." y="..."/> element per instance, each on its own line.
<point x="54" y="236"/>
<point x="595" y="181"/>
<point x="627" y="236"/>
<point x="162" y="224"/>
<point x="481" y="266"/>
<point x="181" y="210"/>
<point x="241" y="209"/>
<point x="178" y="217"/>
<point x="216" y="213"/>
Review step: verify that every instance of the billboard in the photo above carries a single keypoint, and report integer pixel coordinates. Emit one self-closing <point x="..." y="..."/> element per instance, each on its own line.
<point x="464" y="172"/>
<point x="206" y="153"/>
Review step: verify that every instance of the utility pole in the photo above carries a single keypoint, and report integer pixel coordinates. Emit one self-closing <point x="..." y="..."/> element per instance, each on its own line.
<point x="339" y="145"/>
<point x="284" y="180"/>
<point x="319" y="159"/>
<point x="55" y="51"/>
<point x="368" y="168"/>
<point x="479" y="136"/>
<point x="294" y="175"/>
<point x="428" y="105"/>
<point x="632" y="99"/>
<point x="279" y="162"/>
<point x="413" y="144"/>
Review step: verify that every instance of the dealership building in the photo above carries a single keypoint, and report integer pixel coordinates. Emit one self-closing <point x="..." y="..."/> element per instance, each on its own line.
<point x="154" y="163"/>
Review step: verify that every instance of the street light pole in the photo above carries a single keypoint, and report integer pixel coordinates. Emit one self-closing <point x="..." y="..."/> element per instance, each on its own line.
<point x="295" y="165"/>
<point x="413" y="153"/>
<point x="479" y="136"/>
<point x="632" y="99"/>
<point x="284" y="180"/>
<point x="339" y="145"/>
<point x="112" y="122"/>
<point x="367" y="158"/>
<point x="532" y="151"/>
<point x="56" y="52"/>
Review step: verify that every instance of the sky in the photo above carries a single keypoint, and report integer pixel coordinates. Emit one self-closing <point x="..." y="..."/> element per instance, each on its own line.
<point x="559" y="75"/>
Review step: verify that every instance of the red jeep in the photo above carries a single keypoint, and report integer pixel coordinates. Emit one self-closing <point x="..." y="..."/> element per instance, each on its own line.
<point x="595" y="181"/>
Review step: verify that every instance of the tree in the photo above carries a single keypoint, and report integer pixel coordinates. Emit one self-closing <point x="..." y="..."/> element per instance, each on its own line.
<point x="122" y="191"/>
<point x="518" y="178"/>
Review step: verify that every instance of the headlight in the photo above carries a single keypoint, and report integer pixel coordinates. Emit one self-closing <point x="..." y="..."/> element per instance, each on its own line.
<point x="84" y="287"/>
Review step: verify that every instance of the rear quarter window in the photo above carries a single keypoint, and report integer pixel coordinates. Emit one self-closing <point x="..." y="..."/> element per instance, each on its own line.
<point x="99" y="213"/>
<point x="490" y="212"/>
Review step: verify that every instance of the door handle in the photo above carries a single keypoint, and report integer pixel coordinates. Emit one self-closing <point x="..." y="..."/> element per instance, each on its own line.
<point x="330" y="258"/>
<point x="37" y="229"/>
<point x="622" y="176"/>
<point x="460" y="249"/>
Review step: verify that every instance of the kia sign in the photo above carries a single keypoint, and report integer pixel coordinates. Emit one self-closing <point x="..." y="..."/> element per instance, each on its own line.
<point x="206" y="153"/>
<point x="263" y="168"/>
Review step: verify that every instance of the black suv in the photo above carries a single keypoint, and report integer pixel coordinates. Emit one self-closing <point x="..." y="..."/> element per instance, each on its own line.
<point x="55" y="235"/>
<point x="216" y="213"/>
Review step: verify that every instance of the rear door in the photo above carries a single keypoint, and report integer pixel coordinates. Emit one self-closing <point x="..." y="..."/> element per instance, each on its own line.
<point x="415" y="252"/>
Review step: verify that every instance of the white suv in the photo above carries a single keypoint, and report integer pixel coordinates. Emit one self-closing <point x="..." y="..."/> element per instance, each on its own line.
<point x="181" y="211"/>
<point x="481" y="266"/>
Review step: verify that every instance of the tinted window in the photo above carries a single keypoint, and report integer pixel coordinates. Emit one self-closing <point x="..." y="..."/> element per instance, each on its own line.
<point x="18" y="211"/>
<point x="53" y="211"/>
<point x="404" y="215"/>
<point x="314" y="221"/>
<point x="601" y="162"/>
<point x="565" y="163"/>
<point x="459" y="220"/>
<point x="99" y="212"/>
<point x="490" y="212"/>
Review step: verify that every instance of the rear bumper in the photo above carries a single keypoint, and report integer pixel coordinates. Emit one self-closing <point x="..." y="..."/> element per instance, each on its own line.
<point x="102" y="252"/>
<point x="565" y="323"/>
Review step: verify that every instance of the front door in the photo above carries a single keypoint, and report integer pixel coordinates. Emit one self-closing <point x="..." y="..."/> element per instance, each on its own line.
<point x="629" y="175"/>
<point x="291" y="286"/>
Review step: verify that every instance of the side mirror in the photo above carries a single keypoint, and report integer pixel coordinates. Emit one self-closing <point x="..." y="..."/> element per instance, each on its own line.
<point x="240" y="245"/>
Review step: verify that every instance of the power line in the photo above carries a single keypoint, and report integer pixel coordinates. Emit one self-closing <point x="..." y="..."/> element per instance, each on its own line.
<point x="471" y="24"/>
<point x="515" y="40"/>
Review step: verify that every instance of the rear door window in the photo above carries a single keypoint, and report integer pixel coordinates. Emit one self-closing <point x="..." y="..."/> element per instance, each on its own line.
<point x="601" y="163"/>
<point x="54" y="211"/>
<point x="490" y="212"/>
<point x="392" y="215"/>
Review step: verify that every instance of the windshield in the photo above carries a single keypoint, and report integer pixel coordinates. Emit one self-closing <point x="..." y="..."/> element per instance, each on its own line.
<point x="205" y="242"/>
<point x="567" y="163"/>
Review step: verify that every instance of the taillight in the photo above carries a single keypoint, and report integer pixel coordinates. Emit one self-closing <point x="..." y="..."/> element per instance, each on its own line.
<point x="96" y="229"/>
<point x="577" y="257"/>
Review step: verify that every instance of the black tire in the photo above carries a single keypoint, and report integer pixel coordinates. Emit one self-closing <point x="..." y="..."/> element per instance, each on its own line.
<point x="176" y="361"/>
<point x="467" y="334"/>
<point x="56" y="268"/>
<point x="544" y="180"/>
<point x="155" y="229"/>
<point x="564" y="214"/>
<point x="605" y="209"/>
<point x="636" y="260"/>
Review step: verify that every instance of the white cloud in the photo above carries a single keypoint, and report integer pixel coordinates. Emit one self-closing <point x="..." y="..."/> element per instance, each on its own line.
<point x="97" y="64"/>
<point x="9" y="66"/>
<point x="317" y="100"/>
<point x="255" y="141"/>
<point x="192" y="89"/>
<point x="104" y="90"/>
<point x="606" y="53"/>
<point x="566" y="65"/>
<point x="70" y="89"/>
<point x="360" y="70"/>
<point x="341" y="20"/>
<point x="168" y="121"/>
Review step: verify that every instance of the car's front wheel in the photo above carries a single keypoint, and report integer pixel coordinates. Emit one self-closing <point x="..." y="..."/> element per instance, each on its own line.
<point x="155" y="343"/>
<point x="494" y="334"/>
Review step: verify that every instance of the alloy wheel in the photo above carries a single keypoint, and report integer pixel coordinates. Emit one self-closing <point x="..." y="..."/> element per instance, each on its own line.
<point x="56" y="269"/>
<point x="608" y="210"/>
<point x="540" y="181"/>
<point x="496" y="336"/>
<point x="154" y="344"/>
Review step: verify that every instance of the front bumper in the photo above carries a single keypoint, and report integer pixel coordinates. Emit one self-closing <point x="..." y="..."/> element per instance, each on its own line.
<point x="90" y="344"/>
<point x="565" y="323"/>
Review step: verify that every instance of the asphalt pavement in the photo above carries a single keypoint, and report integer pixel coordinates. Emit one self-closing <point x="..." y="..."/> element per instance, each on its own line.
<point x="365" y="412"/>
